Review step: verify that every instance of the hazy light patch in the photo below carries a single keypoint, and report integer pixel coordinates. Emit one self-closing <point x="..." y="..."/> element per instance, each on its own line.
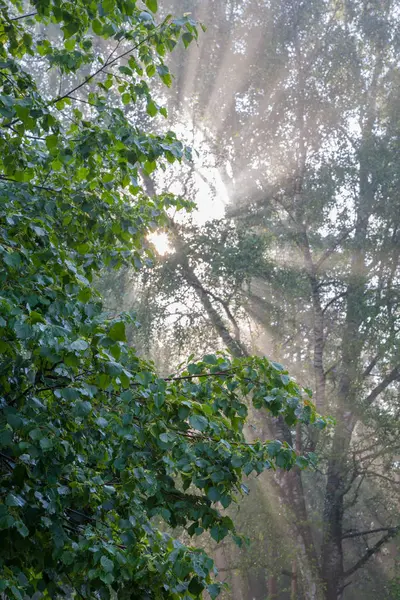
<point x="160" y="242"/>
<point x="216" y="112"/>
<point x="211" y="197"/>
<point x="201" y="182"/>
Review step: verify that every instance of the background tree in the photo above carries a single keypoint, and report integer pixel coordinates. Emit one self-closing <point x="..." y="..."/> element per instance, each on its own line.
<point x="297" y="102"/>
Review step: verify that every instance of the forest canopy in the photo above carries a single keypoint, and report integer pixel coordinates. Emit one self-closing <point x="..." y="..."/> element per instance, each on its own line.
<point x="100" y="456"/>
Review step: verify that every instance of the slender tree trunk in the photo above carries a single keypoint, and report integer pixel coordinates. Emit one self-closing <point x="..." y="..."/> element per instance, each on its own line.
<point x="332" y="551"/>
<point x="272" y="588"/>
<point x="318" y="328"/>
<point x="294" y="587"/>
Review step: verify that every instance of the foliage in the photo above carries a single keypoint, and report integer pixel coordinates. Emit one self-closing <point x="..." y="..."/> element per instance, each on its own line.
<point x="95" y="448"/>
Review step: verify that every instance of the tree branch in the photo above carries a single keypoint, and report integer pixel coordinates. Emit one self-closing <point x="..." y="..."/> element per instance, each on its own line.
<point x="390" y="534"/>
<point x="329" y="251"/>
<point x="109" y="62"/>
<point x="371" y="365"/>
<point x="380" y="476"/>
<point x="32" y="14"/>
<point x="341" y="295"/>
<point x="39" y="187"/>
<point x="181" y="378"/>
<point x="392" y="376"/>
<point x="227" y="310"/>
<point x="330" y="369"/>
<point x="353" y="534"/>
<point x="353" y="501"/>
<point x="84" y="101"/>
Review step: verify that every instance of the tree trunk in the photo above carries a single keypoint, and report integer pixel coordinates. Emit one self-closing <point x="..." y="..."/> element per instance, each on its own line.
<point x="272" y="588"/>
<point x="294" y="587"/>
<point x="332" y="551"/>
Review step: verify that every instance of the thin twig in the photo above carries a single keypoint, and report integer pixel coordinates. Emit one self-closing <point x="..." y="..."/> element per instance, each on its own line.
<point x="219" y="373"/>
<point x="333" y="300"/>
<point x="32" y="14"/>
<point x="40" y="187"/>
<point x="108" y="63"/>
<point x="353" y="534"/>
<point x="371" y="551"/>
<point x="84" y="101"/>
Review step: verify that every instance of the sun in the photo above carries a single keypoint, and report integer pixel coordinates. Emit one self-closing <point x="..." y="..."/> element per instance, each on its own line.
<point x="160" y="242"/>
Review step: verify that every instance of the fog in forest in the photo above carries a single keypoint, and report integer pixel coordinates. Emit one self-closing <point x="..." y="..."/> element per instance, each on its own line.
<point x="287" y="247"/>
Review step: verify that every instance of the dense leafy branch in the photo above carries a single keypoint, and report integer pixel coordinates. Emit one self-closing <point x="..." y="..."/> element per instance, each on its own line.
<point x="108" y="63"/>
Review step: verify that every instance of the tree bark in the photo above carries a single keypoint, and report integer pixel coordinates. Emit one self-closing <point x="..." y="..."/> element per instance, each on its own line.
<point x="332" y="551"/>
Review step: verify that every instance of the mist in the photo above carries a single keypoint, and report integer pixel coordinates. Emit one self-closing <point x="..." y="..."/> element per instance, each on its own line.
<point x="269" y="227"/>
<point x="292" y="108"/>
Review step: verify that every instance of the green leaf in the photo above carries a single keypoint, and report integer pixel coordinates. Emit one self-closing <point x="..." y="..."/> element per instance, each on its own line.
<point x="97" y="27"/>
<point x="5" y="438"/>
<point x="213" y="494"/>
<point x="152" y="5"/>
<point x="12" y="259"/>
<point x="210" y="359"/>
<point x="70" y="394"/>
<point x="213" y="589"/>
<point x="70" y="44"/>
<point x="14" y="500"/>
<point x="237" y="461"/>
<point x="274" y="448"/>
<point x="36" y="317"/>
<point x="21" y="528"/>
<point x="52" y="141"/>
<point x="6" y="521"/>
<point x="198" y="422"/>
<point x="187" y="38"/>
<point x="107" y="564"/>
<point x="285" y="379"/>
<point x="45" y="443"/>
<point x="36" y="434"/>
<point x="80" y="345"/>
<point x="150" y="70"/>
<point x="195" y="586"/>
<point x="82" y="409"/>
<point x="152" y="109"/>
<point x="117" y="332"/>
<point x="302" y="462"/>
<point x="16" y="593"/>
<point x="23" y="331"/>
<point x="277" y="366"/>
<point x="183" y="412"/>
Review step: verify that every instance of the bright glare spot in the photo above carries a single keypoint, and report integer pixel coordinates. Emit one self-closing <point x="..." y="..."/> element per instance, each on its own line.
<point x="160" y="242"/>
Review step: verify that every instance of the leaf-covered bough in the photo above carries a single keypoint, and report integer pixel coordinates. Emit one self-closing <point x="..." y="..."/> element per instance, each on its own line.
<point x="96" y="449"/>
